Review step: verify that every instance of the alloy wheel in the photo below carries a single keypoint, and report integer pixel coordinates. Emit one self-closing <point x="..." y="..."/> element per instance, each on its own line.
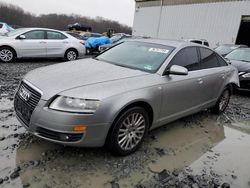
<point x="131" y="131"/>
<point x="224" y="100"/>
<point x="6" y="55"/>
<point x="71" y="55"/>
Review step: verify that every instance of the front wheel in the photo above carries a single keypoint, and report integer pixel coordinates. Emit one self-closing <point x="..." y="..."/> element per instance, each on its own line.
<point x="71" y="55"/>
<point x="7" y="55"/>
<point x="129" y="131"/>
<point x="223" y="102"/>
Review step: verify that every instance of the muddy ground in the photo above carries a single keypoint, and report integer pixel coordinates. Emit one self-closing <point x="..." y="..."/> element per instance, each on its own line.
<point x="202" y="150"/>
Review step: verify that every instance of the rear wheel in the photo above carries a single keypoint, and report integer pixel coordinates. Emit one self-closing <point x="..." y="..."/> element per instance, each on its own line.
<point x="129" y="131"/>
<point x="223" y="101"/>
<point x="71" y="55"/>
<point x="7" y="54"/>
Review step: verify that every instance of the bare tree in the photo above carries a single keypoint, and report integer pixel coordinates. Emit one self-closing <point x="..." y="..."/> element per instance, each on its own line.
<point x="16" y="16"/>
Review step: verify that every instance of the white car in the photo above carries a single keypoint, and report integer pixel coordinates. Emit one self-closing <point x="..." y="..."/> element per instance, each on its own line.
<point x="40" y="42"/>
<point x="5" y="28"/>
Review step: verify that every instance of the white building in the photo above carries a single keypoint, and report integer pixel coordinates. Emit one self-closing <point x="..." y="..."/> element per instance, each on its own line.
<point x="218" y="21"/>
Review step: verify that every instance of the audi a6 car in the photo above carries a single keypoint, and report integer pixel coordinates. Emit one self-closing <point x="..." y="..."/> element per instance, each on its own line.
<point x="240" y="58"/>
<point x="115" y="98"/>
<point x="39" y="42"/>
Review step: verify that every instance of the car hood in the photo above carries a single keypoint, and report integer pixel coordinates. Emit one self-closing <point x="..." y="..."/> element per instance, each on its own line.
<point x="241" y="65"/>
<point x="55" y="79"/>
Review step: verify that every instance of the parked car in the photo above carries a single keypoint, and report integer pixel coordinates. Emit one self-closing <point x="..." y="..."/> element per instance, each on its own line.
<point x="198" y="41"/>
<point x="227" y="48"/>
<point x="76" y="35"/>
<point x="39" y="42"/>
<point x="86" y="36"/>
<point x="240" y="58"/>
<point x="5" y="28"/>
<point x="115" y="98"/>
<point x="93" y="43"/>
<point x="116" y="39"/>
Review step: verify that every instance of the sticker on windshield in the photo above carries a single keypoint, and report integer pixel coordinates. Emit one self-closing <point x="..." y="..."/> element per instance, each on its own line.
<point x="159" y="50"/>
<point x="148" y="67"/>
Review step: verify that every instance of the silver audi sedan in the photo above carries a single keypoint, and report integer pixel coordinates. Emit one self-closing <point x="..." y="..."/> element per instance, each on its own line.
<point x="40" y="43"/>
<point x="115" y="98"/>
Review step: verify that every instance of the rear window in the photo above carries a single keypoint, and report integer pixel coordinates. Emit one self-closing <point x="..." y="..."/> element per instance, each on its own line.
<point x="137" y="55"/>
<point x="208" y="59"/>
<point x="222" y="62"/>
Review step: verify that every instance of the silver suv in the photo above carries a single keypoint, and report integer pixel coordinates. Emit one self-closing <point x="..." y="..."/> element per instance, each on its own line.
<point x="117" y="97"/>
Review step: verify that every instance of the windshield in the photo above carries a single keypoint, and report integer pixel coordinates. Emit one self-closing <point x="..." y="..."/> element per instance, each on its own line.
<point x="240" y="55"/>
<point x="137" y="55"/>
<point x="15" y="32"/>
<point x="225" y="49"/>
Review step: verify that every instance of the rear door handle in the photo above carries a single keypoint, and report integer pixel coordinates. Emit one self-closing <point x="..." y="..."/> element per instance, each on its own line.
<point x="42" y="42"/>
<point x="200" y="81"/>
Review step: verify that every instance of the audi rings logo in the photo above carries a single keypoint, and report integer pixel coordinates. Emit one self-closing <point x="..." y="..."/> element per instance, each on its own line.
<point x="24" y="93"/>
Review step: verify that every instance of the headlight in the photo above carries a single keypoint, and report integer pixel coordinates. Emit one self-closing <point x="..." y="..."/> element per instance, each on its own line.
<point x="246" y="75"/>
<point x="70" y="104"/>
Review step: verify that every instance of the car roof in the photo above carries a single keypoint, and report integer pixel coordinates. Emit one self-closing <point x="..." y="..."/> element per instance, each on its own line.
<point x="39" y="28"/>
<point x="167" y="42"/>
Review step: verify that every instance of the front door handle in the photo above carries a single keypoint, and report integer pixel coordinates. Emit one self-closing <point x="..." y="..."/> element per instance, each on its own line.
<point x="200" y="81"/>
<point x="65" y="42"/>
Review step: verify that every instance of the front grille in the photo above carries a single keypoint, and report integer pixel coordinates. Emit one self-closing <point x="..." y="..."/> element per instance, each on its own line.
<point x="66" y="137"/>
<point x="245" y="84"/>
<point x="25" y="107"/>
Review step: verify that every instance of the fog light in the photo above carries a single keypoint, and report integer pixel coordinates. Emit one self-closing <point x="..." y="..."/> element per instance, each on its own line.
<point x="80" y="128"/>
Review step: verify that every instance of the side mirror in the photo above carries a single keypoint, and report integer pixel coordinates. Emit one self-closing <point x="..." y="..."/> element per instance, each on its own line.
<point x="22" y="37"/>
<point x="176" y="70"/>
<point x="228" y="61"/>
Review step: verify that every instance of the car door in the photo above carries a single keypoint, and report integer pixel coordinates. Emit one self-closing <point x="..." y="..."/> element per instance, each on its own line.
<point x="56" y="44"/>
<point x="212" y="76"/>
<point x="182" y="94"/>
<point x="33" y="45"/>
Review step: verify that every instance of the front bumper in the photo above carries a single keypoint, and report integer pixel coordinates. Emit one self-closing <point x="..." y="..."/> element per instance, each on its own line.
<point x="58" y="127"/>
<point x="244" y="84"/>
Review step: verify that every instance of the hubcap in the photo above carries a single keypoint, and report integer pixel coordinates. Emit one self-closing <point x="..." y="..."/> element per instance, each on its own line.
<point x="131" y="131"/>
<point x="6" y="55"/>
<point x="224" y="100"/>
<point x="71" y="55"/>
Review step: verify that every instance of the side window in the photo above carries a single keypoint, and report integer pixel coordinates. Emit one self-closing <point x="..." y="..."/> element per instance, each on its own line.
<point x="52" y="35"/>
<point x="34" y="35"/>
<point x="197" y="41"/>
<point x="187" y="57"/>
<point x="222" y="62"/>
<point x="208" y="59"/>
<point x="206" y="44"/>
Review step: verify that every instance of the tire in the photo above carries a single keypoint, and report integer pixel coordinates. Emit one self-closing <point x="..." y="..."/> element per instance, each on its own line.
<point x="7" y="55"/>
<point x="222" y="103"/>
<point x="71" y="55"/>
<point x="124" y="138"/>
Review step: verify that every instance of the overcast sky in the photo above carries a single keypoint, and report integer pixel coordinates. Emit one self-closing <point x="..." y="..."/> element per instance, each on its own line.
<point x="119" y="10"/>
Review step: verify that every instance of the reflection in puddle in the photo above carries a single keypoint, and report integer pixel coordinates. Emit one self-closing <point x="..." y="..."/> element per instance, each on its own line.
<point x="174" y="146"/>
